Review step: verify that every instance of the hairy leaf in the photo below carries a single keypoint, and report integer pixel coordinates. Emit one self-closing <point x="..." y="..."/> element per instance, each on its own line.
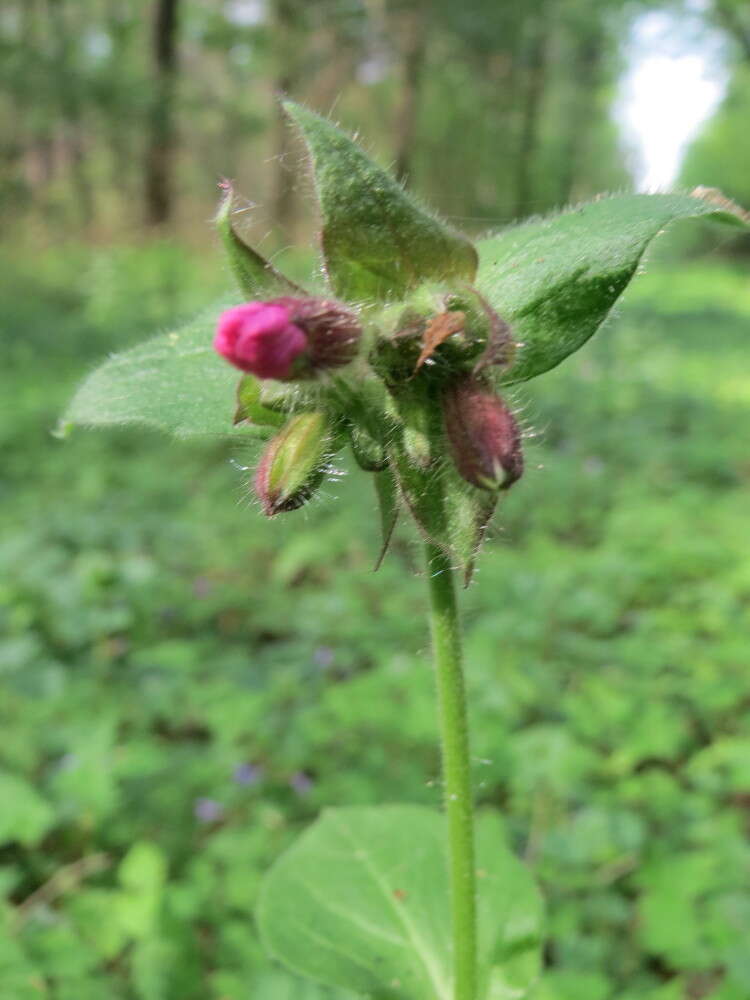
<point x="256" y="277"/>
<point x="174" y="382"/>
<point x="361" y="901"/>
<point x="556" y="279"/>
<point x="378" y="243"/>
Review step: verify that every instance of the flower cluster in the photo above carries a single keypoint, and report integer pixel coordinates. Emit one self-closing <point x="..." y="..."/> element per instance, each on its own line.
<point x="288" y="338"/>
<point x="426" y="364"/>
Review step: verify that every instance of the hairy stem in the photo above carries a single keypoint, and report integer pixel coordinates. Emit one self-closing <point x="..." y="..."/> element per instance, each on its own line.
<point x="454" y="738"/>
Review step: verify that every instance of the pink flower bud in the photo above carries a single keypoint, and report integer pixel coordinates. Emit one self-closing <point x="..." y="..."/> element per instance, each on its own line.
<point x="259" y="337"/>
<point x="484" y="438"/>
<point x="288" y="338"/>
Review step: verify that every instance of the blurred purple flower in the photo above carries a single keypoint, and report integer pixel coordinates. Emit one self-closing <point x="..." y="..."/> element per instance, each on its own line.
<point x="247" y="774"/>
<point x="323" y="657"/>
<point x="202" y="586"/>
<point x="68" y="762"/>
<point x="301" y="783"/>
<point x="208" y="810"/>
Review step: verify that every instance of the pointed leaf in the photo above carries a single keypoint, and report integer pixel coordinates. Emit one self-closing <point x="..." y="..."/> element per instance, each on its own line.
<point x="556" y="279"/>
<point x="175" y="382"/>
<point x="377" y="241"/>
<point x="361" y="901"/>
<point x="256" y="277"/>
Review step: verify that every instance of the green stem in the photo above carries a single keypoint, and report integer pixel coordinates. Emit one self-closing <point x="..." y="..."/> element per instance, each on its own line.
<point x="454" y="738"/>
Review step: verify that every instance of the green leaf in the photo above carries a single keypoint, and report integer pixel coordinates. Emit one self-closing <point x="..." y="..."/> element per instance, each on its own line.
<point x="377" y="241"/>
<point x="556" y="279"/>
<point x="361" y="902"/>
<point x="256" y="277"/>
<point x="175" y="382"/>
<point x="142" y="874"/>
<point x="25" y="816"/>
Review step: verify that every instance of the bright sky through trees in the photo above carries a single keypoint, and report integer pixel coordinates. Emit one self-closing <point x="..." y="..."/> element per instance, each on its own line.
<point x="675" y="80"/>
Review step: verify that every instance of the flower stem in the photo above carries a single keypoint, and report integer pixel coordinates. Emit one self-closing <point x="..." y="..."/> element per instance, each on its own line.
<point x="454" y="738"/>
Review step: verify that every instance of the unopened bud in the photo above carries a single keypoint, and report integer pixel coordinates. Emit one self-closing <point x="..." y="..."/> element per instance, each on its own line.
<point x="288" y="338"/>
<point x="294" y="463"/>
<point x="484" y="438"/>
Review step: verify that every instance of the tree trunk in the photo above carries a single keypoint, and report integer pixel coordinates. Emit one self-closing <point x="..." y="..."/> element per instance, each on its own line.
<point x="730" y="18"/>
<point x="536" y="68"/>
<point x="587" y="60"/>
<point x="161" y="143"/>
<point x="413" y="29"/>
<point x="68" y="98"/>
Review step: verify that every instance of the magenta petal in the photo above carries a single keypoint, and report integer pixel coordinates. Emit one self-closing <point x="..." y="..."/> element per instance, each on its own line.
<point x="257" y="337"/>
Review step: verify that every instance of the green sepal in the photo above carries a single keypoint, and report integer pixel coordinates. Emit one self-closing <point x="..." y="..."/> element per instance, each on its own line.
<point x="377" y="242"/>
<point x="369" y="454"/>
<point x="256" y="277"/>
<point x="388" y="505"/>
<point x="448" y="511"/>
<point x="250" y="408"/>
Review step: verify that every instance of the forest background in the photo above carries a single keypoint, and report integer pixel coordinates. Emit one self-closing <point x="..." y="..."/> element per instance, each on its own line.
<point x="184" y="685"/>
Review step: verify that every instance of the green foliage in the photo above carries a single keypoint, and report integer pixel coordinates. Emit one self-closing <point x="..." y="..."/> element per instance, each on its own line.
<point x="175" y="382"/>
<point x="26" y="815"/>
<point x="556" y="280"/>
<point x="361" y="901"/>
<point x="157" y="634"/>
<point x="377" y="242"/>
<point x="555" y="298"/>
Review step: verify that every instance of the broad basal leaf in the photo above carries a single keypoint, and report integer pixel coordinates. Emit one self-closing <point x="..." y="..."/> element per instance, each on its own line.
<point x="556" y="279"/>
<point x="278" y="985"/>
<point x="361" y="902"/>
<point x="174" y="382"/>
<point x="378" y="243"/>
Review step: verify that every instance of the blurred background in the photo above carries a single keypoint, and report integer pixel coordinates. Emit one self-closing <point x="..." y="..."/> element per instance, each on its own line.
<point x="185" y="685"/>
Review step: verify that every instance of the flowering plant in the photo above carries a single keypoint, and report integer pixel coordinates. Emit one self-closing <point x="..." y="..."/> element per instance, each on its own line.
<point x="405" y="357"/>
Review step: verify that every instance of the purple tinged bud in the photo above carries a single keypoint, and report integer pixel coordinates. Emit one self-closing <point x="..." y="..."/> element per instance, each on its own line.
<point x="294" y="463"/>
<point x="484" y="438"/>
<point x="288" y="338"/>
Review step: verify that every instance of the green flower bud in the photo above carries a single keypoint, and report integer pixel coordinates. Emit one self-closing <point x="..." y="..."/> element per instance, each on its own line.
<point x="294" y="463"/>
